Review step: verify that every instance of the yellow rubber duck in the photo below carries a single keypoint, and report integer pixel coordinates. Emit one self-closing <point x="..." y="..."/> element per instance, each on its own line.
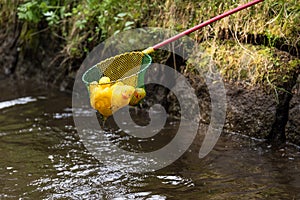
<point x="138" y="95"/>
<point x="107" y="98"/>
<point x="121" y="95"/>
<point x="100" y="98"/>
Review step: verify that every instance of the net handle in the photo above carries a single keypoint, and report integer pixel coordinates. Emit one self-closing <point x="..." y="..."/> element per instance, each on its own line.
<point x="205" y="23"/>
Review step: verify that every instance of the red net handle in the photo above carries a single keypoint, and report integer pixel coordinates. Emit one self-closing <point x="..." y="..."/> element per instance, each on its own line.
<point x="157" y="46"/>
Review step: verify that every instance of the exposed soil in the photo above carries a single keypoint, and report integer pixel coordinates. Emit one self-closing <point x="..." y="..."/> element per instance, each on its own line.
<point x="44" y="61"/>
<point x="250" y="110"/>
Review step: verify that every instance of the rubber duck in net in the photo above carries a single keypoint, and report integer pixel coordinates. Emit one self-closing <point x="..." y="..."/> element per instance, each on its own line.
<point x="108" y="98"/>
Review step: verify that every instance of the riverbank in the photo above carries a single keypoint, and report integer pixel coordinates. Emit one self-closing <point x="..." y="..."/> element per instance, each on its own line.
<point x="256" y="51"/>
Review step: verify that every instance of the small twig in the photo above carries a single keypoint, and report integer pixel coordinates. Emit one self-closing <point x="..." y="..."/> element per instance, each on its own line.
<point x="38" y="32"/>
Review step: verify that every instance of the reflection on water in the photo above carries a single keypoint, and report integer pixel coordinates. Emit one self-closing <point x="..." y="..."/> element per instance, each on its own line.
<point x="13" y="102"/>
<point x="42" y="157"/>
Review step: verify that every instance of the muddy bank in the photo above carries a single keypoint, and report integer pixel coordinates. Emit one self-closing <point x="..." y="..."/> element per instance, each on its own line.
<point x="43" y="60"/>
<point x="250" y="110"/>
<point x="293" y="125"/>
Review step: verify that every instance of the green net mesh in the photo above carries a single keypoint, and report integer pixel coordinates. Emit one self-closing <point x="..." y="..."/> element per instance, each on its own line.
<point x="128" y="68"/>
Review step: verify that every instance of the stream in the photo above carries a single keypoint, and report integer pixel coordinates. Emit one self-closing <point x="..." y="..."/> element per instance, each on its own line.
<point x="42" y="157"/>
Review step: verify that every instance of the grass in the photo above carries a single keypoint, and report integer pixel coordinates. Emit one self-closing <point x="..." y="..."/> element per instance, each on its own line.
<point x="278" y="19"/>
<point x="247" y="64"/>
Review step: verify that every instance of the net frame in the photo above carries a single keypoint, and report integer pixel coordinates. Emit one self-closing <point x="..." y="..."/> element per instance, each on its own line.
<point x="128" y="68"/>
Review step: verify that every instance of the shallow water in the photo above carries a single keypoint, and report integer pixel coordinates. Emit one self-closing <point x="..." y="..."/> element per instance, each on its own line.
<point x="42" y="157"/>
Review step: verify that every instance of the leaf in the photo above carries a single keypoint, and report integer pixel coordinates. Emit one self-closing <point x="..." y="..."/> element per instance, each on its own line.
<point x="129" y="23"/>
<point x="127" y="28"/>
<point x="121" y="15"/>
<point x="62" y="11"/>
<point x="30" y="15"/>
<point x="116" y="32"/>
<point x="48" y="14"/>
<point x="68" y="14"/>
<point x="43" y="6"/>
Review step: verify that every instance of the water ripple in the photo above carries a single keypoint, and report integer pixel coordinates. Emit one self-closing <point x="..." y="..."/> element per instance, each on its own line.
<point x="22" y="100"/>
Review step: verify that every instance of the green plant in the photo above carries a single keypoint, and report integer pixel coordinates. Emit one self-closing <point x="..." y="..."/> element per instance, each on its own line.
<point x="82" y="24"/>
<point x="52" y="11"/>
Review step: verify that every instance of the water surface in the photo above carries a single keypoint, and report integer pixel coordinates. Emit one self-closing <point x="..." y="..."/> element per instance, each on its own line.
<point x="42" y="157"/>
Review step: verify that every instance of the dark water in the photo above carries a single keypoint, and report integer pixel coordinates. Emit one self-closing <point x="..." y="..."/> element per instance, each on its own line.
<point x="42" y="157"/>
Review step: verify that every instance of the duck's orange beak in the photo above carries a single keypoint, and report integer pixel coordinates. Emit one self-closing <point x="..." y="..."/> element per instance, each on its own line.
<point x="125" y="95"/>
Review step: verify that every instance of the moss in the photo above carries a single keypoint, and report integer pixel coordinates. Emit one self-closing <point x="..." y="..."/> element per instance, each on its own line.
<point x="247" y="63"/>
